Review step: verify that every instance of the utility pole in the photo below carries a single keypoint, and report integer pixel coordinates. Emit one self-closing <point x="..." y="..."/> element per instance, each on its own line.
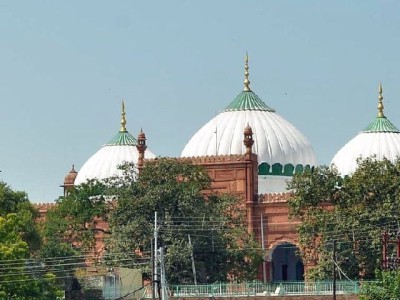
<point x="193" y="265"/>
<point x="156" y="284"/>
<point x="153" y="286"/>
<point x="334" y="269"/>
<point x="263" y="250"/>
<point x="164" y="290"/>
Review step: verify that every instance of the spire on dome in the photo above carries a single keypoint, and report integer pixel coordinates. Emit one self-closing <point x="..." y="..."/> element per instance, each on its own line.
<point x="247" y="99"/>
<point x="246" y="74"/>
<point x="123" y="119"/>
<point x="381" y="123"/>
<point x="380" y="103"/>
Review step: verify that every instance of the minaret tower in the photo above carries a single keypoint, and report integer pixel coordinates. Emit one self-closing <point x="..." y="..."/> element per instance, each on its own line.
<point x="69" y="181"/>
<point x="141" y="147"/>
<point x="248" y="138"/>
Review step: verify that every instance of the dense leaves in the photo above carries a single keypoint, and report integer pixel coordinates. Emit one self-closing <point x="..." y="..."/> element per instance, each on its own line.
<point x="214" y="224"/>
<point x="11" y="201"/>
<point x="386" y="287"/>
<point x="72" y="230"/>
<point x="73" y="221"/>
<point x="354" y="211"/>
<point x="20" y="275"/>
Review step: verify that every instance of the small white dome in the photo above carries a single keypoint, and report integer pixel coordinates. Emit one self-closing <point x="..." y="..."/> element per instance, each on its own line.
<point x="381" y="139"/>
<point x="105" y="162"/>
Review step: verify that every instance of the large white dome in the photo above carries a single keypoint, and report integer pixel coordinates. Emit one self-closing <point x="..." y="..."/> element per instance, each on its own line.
<point x="104" y="163"/>
<point x="381" y="139"/>
<point x="281" y="148"/>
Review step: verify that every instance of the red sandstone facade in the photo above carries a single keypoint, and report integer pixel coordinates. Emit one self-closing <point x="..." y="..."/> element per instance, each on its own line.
<point x="267" y="214"/>
<point x="237" y="174"/>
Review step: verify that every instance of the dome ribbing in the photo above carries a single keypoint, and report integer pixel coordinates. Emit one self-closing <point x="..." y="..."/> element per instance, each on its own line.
<point x="248" y="100"/>
<point x="276" y="141"/>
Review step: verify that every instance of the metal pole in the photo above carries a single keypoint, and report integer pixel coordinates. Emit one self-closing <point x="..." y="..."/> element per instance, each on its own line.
<point x="193" y="265"/>
<point x="153" y="285"/>
<point x="156" y="283"/>
<point x="334" y="269"/>
<point x="263" y="250"/>
<point x="163" y="283"/>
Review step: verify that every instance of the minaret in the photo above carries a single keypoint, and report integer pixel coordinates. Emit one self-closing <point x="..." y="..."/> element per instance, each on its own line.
<point x="248" y="138"/>
<point x="141" y="147"/>
<point x="69" y="181"/>
<point x="251" y="175"/>
<point x="380" y="103"/>
<point x="246" y="74"/>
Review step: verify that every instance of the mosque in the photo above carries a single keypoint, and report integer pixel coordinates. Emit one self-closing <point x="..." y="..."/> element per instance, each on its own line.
<point x="250" y="150"/>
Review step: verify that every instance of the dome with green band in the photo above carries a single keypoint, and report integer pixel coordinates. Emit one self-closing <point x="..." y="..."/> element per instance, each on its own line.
<point x="281" y="148"/>
<point x="105" y="162"/>
<point x="381" y="139"/>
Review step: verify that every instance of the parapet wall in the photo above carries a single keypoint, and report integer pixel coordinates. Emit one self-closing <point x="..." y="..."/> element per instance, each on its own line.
<point x="220" y="159"/>
<point x="274" y="197"/>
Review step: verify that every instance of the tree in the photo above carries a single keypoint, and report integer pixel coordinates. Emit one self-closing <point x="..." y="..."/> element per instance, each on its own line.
<point x="22" y="275"/>
<point x="17" y="202"/>
<point x="387" y="287"/>
<point x="11" y="201"/>
<point x="175" y="190"/>
<point x="71" y="231"/>
<point x="74" y="220"/>
<point x="353" y="210"/>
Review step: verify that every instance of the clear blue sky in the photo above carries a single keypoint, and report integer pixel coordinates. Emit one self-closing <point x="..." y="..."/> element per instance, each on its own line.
<point x="66" y="65"/>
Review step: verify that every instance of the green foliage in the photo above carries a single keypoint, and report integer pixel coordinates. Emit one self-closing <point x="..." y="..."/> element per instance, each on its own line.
<point x="19" y="280"/>
<point x="16" y="202"/>
<point x="71" y="229"/>
<point x="11" y="201"/>
<point x="215" y="224"/>
<point x="21" y="276"/>
<point x="73" y="220"/>
<point x="12" y="246"/>
<point x="353" y="210"/>
<point x="387" y="287"/>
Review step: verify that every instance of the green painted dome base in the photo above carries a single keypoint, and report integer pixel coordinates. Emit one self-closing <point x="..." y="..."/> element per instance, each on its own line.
<point x="278" y="169"/>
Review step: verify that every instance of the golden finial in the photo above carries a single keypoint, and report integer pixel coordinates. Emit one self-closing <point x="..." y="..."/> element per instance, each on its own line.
<point x="380" y="103"/>
<point x="123" y="120"/>
<point x="246" y="74"/>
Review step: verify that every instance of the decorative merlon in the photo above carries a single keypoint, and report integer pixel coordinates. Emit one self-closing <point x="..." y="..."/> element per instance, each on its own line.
<point x="44" y="207"/>
<point x="274" y="197"/>
<point x="212" y="158"/>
